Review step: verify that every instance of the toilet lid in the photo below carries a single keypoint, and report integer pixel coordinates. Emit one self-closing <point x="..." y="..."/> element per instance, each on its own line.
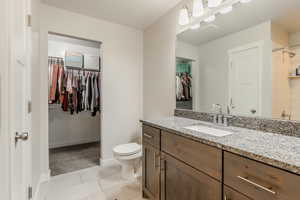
<point x="127" y="149"/>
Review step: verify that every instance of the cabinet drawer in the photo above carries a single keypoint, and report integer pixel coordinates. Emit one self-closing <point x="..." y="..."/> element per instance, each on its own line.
<point x="259" y="181"/>
<point x="230" y="194"/>
<point x="151" y="136"/>
<point x="200" y="156"/>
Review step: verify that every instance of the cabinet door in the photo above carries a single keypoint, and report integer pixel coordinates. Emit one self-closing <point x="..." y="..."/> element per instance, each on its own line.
<point x="151" y="172"/>
<point x="180" y="181"/>
<point x="230" y="194"/>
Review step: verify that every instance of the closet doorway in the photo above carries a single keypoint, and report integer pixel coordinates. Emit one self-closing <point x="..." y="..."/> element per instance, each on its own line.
<point x="74" y="103"/>
<point x="184" y="93"/>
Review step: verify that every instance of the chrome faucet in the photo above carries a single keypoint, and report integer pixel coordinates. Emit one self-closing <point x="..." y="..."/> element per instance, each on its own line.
<point x="218" y="117"/>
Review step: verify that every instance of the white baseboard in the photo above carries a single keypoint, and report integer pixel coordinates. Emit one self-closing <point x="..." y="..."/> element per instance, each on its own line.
<point x="108" y="162"/>
<point x="65" y="144"/>
<point x="39" y="192"/>
<point x="46" y="176"/>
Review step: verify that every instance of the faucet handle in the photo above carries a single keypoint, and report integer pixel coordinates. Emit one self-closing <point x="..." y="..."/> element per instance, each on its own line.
<point x="217" y="108"/>
<point x="226" y="119"/>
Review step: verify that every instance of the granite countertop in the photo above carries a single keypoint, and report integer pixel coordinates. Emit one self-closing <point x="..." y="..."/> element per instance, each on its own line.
<point x="274" y="149"/>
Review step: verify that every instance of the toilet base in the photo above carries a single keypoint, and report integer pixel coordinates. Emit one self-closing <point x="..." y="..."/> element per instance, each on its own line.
<point x="129" y="169"/>
<point x="127" y="172"/>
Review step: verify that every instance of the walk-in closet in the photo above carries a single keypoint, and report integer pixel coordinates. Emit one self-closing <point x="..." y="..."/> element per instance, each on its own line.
<point x="184" y="97"/>
<point x="74" y="103"/>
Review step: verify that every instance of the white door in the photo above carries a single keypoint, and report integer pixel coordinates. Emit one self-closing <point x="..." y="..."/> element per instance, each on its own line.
<point x="245" y="65"/>
<point x="19" y="84"/>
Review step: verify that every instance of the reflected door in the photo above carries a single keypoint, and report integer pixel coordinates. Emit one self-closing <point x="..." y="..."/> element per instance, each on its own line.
<point x="244" y="80"/>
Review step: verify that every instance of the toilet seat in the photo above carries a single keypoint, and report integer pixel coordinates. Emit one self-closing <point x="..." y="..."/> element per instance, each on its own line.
<point x="130" y="157"/>
<point x="127" y="149"/>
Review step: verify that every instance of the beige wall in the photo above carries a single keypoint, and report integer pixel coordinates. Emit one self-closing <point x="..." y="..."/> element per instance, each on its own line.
<point x="281" y="64"/>
<point x="159" y="66"/>
<point x="286" y="94"/>
<point x="280" y="37"/>
<point x="294" y="39"/>
<point x="122" y="70"/>
<point x="295" y="83"/>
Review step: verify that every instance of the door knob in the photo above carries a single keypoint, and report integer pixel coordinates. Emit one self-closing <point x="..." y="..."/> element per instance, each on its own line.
<point x="21" y="136"/>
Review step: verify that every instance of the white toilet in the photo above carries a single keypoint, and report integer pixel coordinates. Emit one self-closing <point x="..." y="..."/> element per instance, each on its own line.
<point x="129" y="156"/>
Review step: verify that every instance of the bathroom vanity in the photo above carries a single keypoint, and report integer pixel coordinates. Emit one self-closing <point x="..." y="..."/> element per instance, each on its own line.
<point x="184" y="164"/>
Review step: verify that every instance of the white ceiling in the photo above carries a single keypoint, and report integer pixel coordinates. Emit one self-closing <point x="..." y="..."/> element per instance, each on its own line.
<point x="282" y="12"/>
<point x="135" y="13"/>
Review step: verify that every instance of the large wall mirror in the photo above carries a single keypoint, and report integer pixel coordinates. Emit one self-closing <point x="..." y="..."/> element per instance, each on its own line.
<point x="241" y="55"/>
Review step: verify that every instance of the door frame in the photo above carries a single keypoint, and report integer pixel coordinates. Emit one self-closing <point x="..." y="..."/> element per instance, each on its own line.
<point x="230" y="52"/>
<point x="5" y="183"/>
<point x="44" y="93"/>
<point x="6" y="101"/>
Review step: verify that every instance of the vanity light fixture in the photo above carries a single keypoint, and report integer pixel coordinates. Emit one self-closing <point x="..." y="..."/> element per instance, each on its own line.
<point x="226" y="10"/>
<point x="214" y="3"/>
<point x="210" y="19"/>
<point x="184" y="16"/>
<point x="198" y="9"/>
<point x="195" y="26"/>
<point x="216" y="6"/>
<point x="245" y="1"/>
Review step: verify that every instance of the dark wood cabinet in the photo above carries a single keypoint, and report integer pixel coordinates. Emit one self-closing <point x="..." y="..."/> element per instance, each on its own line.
<point x="203" y="157"/>
<point x="230" y="194"/>
<point x="178" y="168"/>
<point x="151" y="136"/>
<point x="180" y="181"/>
<point x="258" y="180"/>
<point x="151" y="172"/>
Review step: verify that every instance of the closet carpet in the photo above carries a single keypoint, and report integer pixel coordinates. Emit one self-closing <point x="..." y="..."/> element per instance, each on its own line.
<point x="188" y="105"/>
<point x="72" y="158"/>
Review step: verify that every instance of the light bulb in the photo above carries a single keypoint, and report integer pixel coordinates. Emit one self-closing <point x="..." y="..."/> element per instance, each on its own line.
<point x="195" y="26"/>
<point x="210" y="19"/>
<point x="198" y="9"/>
<point x="214" y="3"/>
<point x="245" y="1"/>
<point x="225" y="10"/>
<point x="184" y="17"/>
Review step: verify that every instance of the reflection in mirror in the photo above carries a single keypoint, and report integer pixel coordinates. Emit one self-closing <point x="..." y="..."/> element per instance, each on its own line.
<point x="184" y="94"/>
<point x="247" y="60"/>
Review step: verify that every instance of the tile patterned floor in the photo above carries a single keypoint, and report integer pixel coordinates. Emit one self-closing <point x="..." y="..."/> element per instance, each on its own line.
<point x="73" y="158"/>
<point x="94" y="183"/>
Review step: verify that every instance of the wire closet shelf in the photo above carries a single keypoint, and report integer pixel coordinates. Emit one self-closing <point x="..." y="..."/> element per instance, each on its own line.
<point x="60" y="60"/>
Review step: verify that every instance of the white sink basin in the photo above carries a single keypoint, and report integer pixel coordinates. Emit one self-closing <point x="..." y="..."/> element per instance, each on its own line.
<point x="209" y="131"/>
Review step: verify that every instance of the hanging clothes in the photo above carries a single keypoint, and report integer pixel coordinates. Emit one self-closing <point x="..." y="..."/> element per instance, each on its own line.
<point x="74" y="89"/>
<point x="179" y="88"/>
<point x="54" y="77"/>
<point x="183" y="87"/>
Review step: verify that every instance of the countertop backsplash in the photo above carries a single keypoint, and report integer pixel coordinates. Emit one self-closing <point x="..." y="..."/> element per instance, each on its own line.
<point x="284" y="127"/>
